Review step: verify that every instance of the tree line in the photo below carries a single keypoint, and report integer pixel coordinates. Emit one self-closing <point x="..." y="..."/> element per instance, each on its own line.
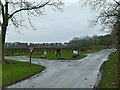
<point x="79" y="43"/>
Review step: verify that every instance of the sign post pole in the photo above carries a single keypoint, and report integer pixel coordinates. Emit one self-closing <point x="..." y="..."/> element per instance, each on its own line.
<point x="30" y="60"/>
<point x="31" y="49"/>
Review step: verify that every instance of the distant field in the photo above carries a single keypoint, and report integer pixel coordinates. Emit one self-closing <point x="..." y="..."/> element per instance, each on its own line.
<point x="66" y="54"/>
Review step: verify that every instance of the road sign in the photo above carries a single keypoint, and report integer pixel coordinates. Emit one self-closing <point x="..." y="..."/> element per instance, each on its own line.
<point x="31" y="48"/>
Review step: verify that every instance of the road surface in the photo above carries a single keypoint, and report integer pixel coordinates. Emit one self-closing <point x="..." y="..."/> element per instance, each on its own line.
<point x="65" y="74"/>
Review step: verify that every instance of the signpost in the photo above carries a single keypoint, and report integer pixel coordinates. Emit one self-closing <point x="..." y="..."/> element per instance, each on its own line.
<point x="31" y="49"/>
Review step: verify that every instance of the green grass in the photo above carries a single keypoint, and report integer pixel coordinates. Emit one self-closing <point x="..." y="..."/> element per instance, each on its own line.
<point x="93" y="50"/>
<point x="17" y="71"/>
<point x="110" y="73"/>
<point x="0" y="75"/>
<point x="67" y="55"/>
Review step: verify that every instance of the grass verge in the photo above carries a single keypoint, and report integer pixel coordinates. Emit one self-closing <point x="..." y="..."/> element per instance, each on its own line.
<point x="17" y="71"/>
<point x="0" y="75"/>
<point x="67" y="55"/>
<point x="110" y="73"/>
<point x="92" y="51"/>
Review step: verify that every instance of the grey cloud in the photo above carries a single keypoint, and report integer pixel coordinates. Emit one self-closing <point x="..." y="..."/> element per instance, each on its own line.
<point x="57" y="26"/>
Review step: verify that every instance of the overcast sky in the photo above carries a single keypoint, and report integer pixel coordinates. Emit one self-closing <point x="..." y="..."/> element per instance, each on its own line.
<point x="57" y="26"/>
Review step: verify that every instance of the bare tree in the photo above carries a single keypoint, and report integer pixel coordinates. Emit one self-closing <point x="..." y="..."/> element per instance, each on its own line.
<point x="109" y="17"/>
<point x="11" y="9"/>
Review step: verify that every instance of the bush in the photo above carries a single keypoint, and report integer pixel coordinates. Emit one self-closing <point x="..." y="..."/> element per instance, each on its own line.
<point x="74" y="56"/>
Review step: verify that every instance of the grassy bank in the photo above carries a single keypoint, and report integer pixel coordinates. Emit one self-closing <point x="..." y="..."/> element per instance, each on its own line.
<point x="92" y="50"/>
<point x="16" y="71"/>
<point x="0" y="75"/>
<point x="110" y="73"/>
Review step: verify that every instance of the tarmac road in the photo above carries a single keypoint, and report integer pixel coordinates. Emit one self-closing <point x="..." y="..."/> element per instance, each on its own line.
<point x="65" y="74"/>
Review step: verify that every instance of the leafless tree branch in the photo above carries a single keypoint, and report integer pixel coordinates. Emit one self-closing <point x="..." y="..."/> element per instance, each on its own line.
<point x="29" y="8"/>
